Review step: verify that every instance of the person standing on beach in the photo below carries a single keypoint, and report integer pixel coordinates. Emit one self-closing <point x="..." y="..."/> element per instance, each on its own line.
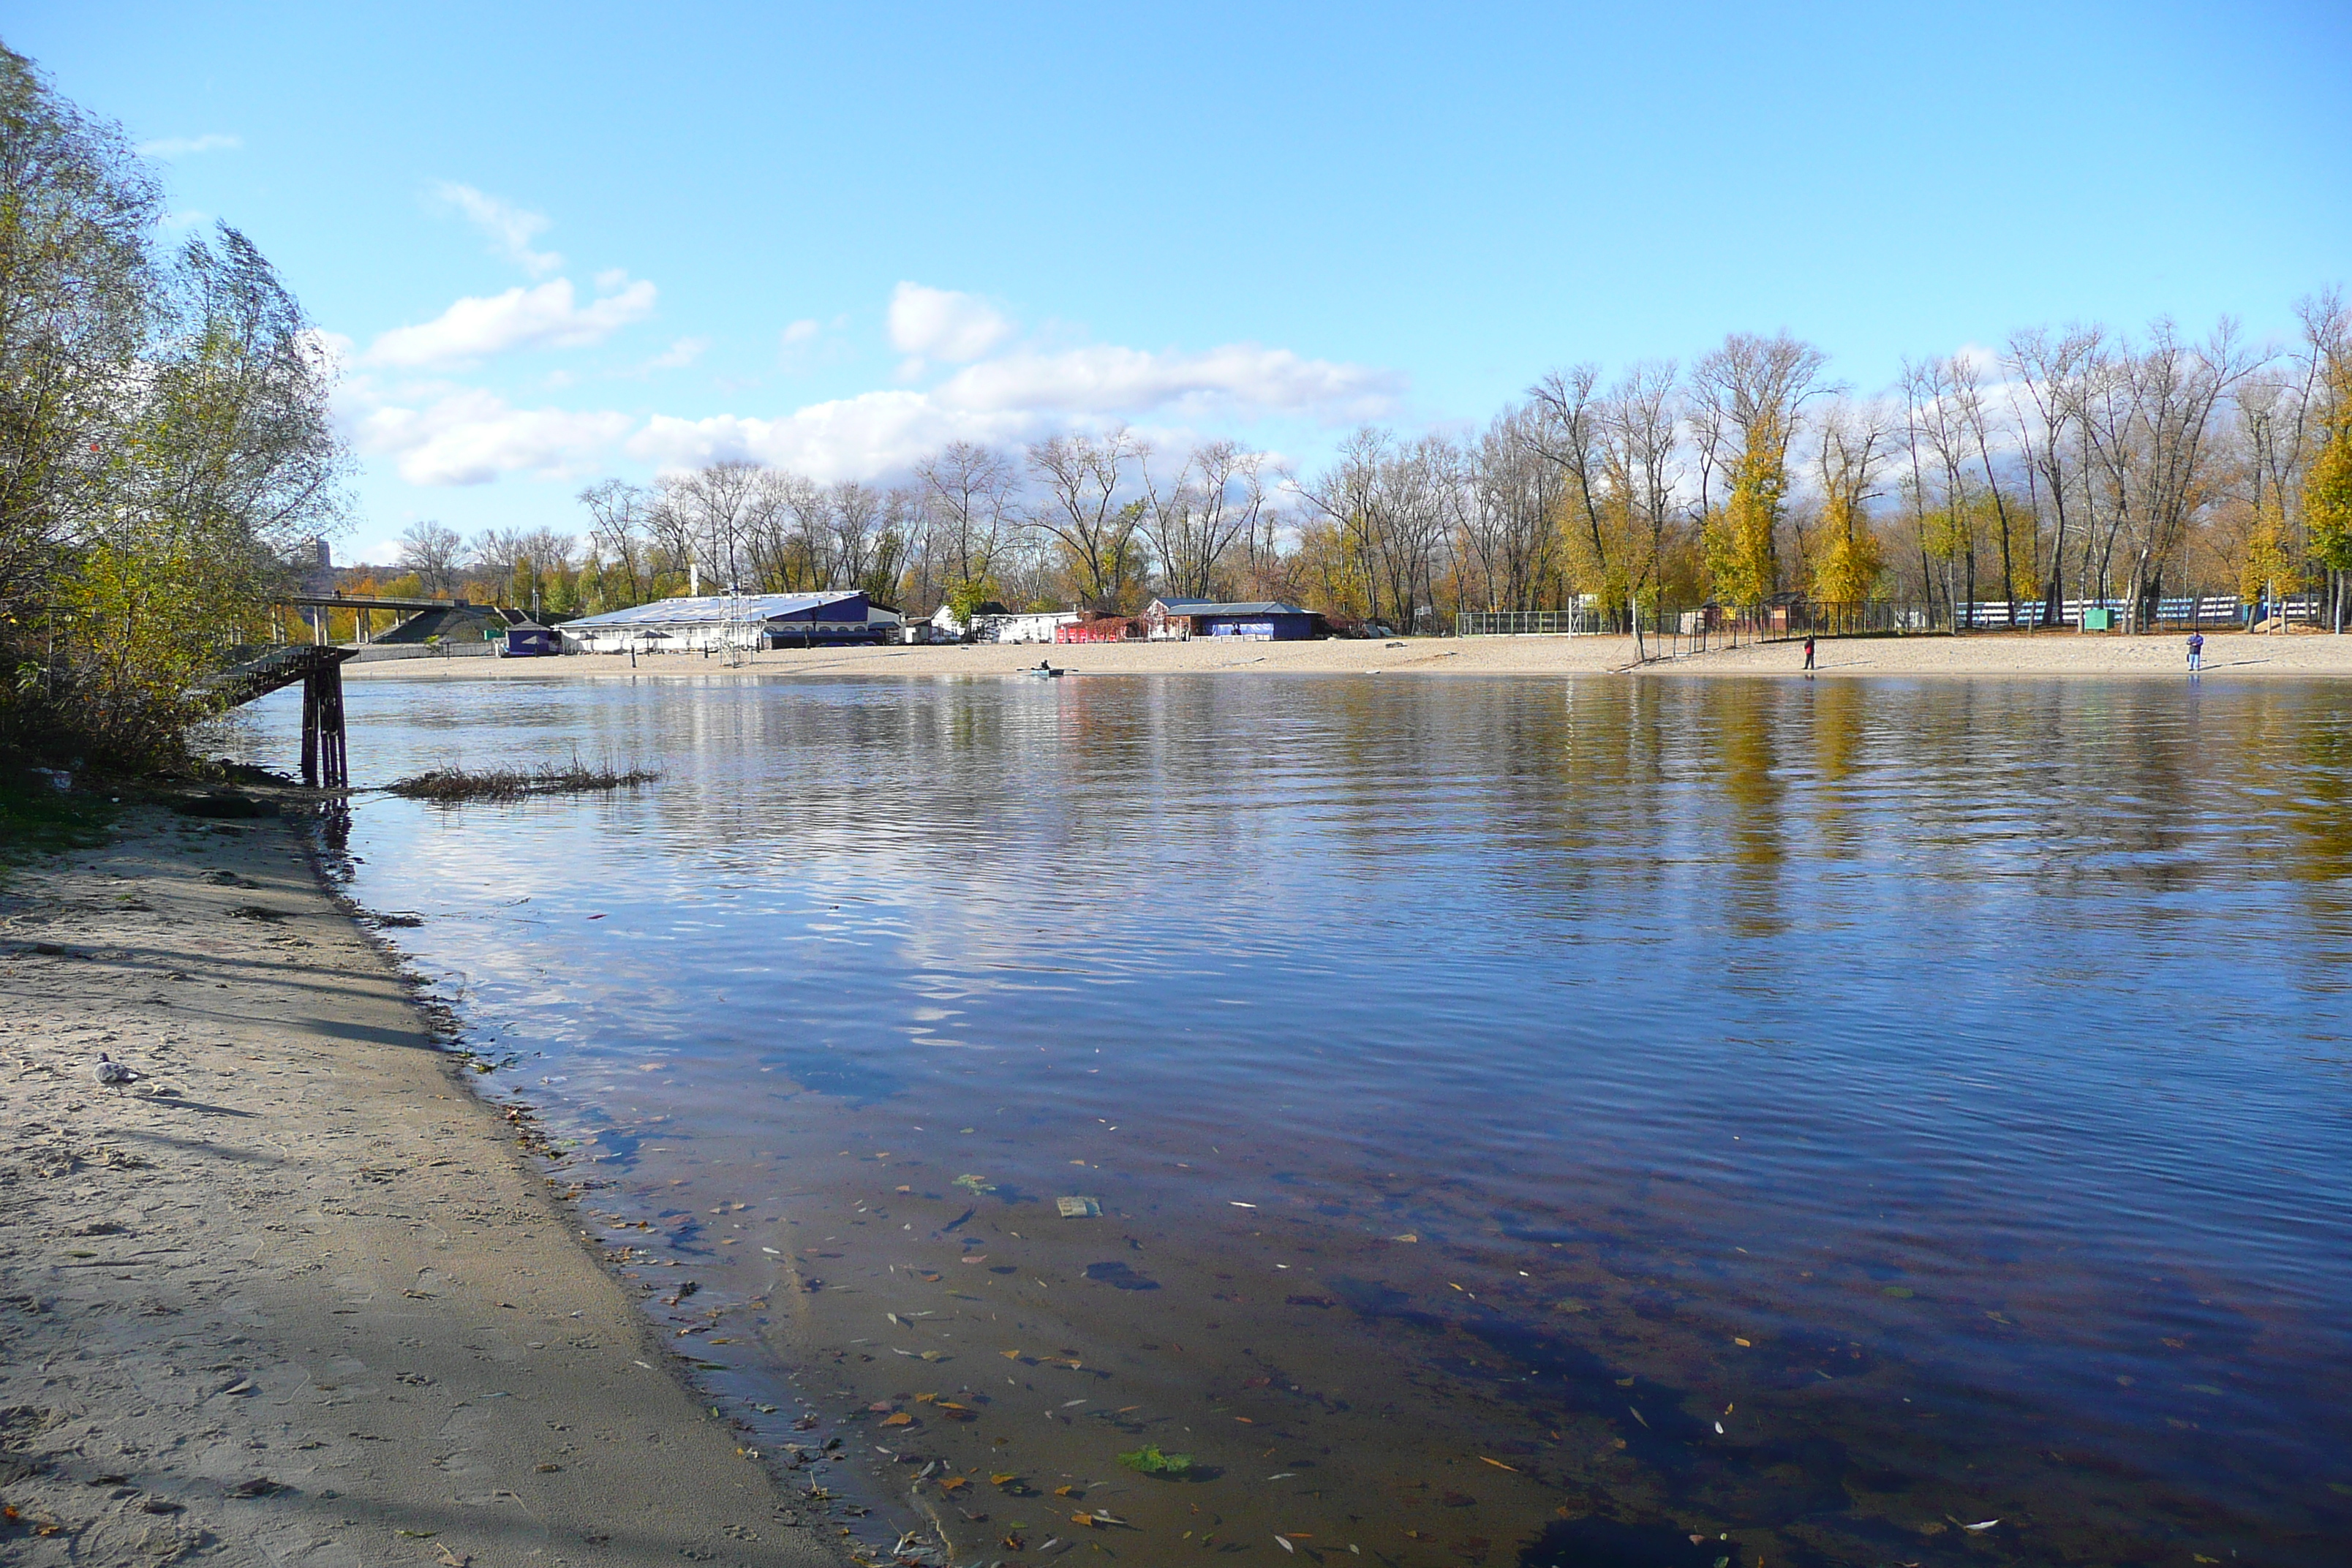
<point x="2196" y="652"/>
<point x="1809" y="656"/>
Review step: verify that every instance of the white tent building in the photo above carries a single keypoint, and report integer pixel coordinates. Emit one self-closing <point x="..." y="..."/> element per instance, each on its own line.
<point x="717" y="622"/>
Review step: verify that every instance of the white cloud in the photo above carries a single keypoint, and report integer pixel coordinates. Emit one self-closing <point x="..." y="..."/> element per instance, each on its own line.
<point x="678" y="355"/>
<point x="1241" y="378"/>
<point x="182" y="146"/>
<point x="541" y="318"/>
<point x="507" y="227"/>
<point x="941" y="324"/>
<point x="470" y="436"/>
<point x="452" y="434"/>
<point x="1023" y="396"/>
<point x="189" y="219"/>
<point x="855" y="438"/>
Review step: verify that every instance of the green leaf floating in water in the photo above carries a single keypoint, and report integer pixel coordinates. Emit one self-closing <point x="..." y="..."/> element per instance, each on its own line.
<point x="1151" y="1461"/>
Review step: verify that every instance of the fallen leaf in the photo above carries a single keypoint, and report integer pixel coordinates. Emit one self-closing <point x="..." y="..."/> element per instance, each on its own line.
<point x="1499" y="1464"/>
<point x="1743" y="1344"/>
<point x="900" y="1419"/>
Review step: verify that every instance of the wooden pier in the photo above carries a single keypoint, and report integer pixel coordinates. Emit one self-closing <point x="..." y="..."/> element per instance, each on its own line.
<point x="326" y="759"/>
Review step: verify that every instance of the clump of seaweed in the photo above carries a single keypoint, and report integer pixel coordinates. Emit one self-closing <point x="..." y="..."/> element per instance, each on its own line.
<point x="449" y="786"/>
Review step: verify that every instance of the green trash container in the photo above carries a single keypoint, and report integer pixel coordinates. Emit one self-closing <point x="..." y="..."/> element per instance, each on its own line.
<point x="2099" y="620"/>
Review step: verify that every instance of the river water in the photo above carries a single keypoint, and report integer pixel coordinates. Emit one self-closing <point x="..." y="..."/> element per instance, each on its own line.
<point x="1605" y="1121"/>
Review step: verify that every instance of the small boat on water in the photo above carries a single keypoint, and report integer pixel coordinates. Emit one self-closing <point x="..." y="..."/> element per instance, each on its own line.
<point x="1044" y="671"/>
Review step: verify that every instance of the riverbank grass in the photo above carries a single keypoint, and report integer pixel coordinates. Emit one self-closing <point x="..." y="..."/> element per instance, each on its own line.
<point x="450" y="786"/>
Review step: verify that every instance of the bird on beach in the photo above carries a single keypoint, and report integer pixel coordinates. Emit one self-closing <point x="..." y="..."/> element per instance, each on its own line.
<point x="114" y="1073"/>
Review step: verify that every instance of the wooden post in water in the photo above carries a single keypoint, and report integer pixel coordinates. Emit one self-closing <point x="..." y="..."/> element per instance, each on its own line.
<point x="326" y="762"/>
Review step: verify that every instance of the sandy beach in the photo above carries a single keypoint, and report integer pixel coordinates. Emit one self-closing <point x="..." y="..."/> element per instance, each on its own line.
<point x="2228" y="657"/>
<point x="294" y="1295"/>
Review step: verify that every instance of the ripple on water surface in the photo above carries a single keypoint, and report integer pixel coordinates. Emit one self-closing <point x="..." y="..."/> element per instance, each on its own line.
<point x="1600" y="1123"/>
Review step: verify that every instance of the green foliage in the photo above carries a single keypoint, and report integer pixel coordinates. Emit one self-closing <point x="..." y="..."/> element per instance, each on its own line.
<point x="1149" y="1461"/>
<point x="2268" y="563"/>
<point x="965" y="599"/>
<point x="170" y="443"/>
<point x="2328" y="486"/>
<point x="1850" y="566"/>
<point x="1742" y="558"/>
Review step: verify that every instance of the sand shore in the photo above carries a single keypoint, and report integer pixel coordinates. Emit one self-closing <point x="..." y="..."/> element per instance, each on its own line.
<point x="295" y="1297"/>
<point x="2228" y="657"/>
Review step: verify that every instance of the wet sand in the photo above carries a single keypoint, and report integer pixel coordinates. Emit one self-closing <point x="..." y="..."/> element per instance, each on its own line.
<point x="294" y="1295"/>
<point x="1989" y="655"/>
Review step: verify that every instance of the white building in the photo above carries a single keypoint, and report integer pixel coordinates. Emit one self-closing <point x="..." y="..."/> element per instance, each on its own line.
<point x="716" y="622"/>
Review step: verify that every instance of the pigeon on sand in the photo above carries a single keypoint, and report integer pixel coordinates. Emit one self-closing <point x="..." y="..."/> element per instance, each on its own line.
<point x="114" y="1073"/>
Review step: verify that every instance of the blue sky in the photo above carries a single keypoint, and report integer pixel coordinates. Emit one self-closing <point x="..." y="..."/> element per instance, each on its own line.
<point x="569" y="242"/>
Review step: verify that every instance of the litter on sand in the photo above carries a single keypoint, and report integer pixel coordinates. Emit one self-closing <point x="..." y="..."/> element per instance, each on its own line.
<point x="1078" y="1208"/>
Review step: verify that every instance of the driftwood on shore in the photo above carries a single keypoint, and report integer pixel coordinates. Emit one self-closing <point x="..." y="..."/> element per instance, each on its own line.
<point x="451" y="785"/>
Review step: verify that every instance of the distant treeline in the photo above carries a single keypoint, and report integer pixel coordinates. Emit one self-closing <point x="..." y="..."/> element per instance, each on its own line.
<point x="2081" y="465"/>
<point x="164" y="440"/>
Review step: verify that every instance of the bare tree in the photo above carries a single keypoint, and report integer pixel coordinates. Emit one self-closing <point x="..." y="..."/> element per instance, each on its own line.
<point x="1976" y="420"/>
<point x="1082" y="481"/>
<point x="616" y="529"/>
<point x="2147" y="417"/>
<point x="856" y="515"/>
<point x="969" y="493"/>
<point x="708" y="516"/>
<point x="1642" y="419"/>
<point x="1215" y="501"/>
<point x="2042" y="370"/>
<point x="1568" y="431"/>
<point x="1505" y="506"/>
<point x="1933" y="424"/>
<point x="432" y="552"/>
<point x="1754" y="387"/>
<point x="1853" y="449"/>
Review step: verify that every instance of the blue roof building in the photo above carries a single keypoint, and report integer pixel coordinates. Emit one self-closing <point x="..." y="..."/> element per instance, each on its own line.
<point x="1260" y="620"/>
